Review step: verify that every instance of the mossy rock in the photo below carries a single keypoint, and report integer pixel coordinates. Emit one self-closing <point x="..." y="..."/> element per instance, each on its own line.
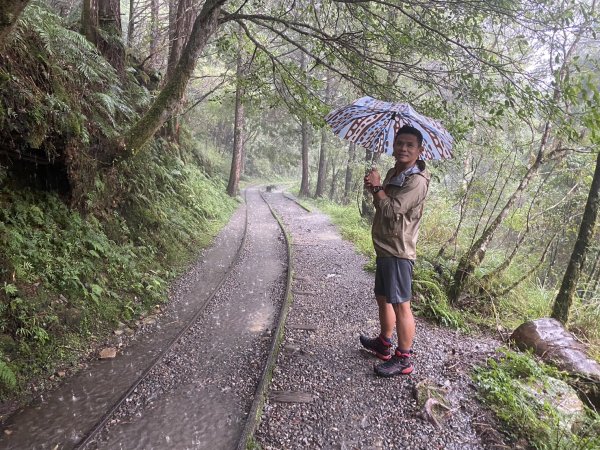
<point x="568" y="410"/>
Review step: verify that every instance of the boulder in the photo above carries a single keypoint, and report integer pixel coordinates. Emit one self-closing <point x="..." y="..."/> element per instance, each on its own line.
<point x="555" y="345"/>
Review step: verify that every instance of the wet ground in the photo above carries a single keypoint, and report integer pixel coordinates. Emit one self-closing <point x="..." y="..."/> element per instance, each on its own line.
<point x="199" y="396"/>
<point x="323" y="394"/>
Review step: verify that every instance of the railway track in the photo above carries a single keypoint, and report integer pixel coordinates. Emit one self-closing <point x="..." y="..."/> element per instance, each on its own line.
<point x="254" y="271"/>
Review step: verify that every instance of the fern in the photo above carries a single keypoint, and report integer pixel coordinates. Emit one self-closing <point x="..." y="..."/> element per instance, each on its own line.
<point x="7" y="376"/>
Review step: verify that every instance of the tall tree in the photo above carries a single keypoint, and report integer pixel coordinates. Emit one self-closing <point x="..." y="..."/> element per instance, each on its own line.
<point x="564" y="299"/>
<point x="304" y="131"/>
<point x="170" y="95"/>
<point x="349" y="165"/>
<point x="238" y="125"/>
<point x="321" y="171"/>
<point x="476" y="253"/>
<point x="101" y="25"/>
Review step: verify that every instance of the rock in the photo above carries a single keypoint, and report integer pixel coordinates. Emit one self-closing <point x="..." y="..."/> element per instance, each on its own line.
<point x="108" y="353"/>
<point x="555" y="345"/>
<point x="548" y="390"/>
<point x="549" y="340"/>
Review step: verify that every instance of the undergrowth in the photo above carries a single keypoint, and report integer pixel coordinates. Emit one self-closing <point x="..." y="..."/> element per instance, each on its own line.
<point x="504" y="385"/>
<point x="67" y="279"/>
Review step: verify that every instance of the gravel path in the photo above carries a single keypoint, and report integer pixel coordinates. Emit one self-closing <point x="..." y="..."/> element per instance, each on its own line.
<point x="200" y="395"/>
<point x="337" y="401"/>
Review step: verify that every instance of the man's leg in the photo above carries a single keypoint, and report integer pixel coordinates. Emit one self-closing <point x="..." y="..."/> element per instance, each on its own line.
<point x="387" y="316"/>
<point x="405" y="326"/>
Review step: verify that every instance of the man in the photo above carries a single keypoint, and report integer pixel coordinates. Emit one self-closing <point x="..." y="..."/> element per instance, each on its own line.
<point x="398" y="208"/>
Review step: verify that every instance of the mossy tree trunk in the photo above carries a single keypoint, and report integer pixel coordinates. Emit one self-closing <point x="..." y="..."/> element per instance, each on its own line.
<point x="564" y="299"/>
<point x="169" y="97"/>
<point x="112" y="47"/>
<point x="10" y="10"/>
<point x="105" y="15"/>
<point x="89" y="20"/>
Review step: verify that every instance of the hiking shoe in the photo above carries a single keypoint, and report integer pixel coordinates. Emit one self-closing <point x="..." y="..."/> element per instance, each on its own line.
<point x="377" y="345"/>
<point x="399" y="364"/>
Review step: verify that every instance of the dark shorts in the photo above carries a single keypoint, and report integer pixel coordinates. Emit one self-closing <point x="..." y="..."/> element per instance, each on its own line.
<point x="393" y="278"/>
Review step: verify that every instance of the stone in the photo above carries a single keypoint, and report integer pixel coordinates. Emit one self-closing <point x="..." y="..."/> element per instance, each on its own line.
<point x="108" y="353"/>
<point x="548" y="390"/>
<point x="555" y="345"/>
<point x="549" y="340"/>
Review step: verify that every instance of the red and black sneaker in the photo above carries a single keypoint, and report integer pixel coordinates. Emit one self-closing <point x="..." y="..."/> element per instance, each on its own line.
<point x="399" y="364"/>
<point x="377" y="345"/>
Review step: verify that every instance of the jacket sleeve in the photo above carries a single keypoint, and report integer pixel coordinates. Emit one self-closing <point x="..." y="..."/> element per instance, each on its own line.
<point x="403" y="200"/>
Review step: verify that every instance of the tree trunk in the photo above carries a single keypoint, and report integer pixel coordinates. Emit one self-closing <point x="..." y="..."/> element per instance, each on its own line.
<point x="322" y="171"/>
<point x="348" y="179"/>
<point x="304" y="184"/>
<point x="179" y="29"/>
<point x="564" y="299"/>
<point x="10" y="10"/>
<point x="131" y="23"/>
<point x="238" y="127"/>
<point x="105" y="15"/>
<point x="204" y="26"/>
<point x="154" y="34"/>
<point x="89" y="20"/>
<point x="334" y="175"/>
<point x="592" y="277"/>
<point x="109" y="21"/>
<point x="367" y="208"/>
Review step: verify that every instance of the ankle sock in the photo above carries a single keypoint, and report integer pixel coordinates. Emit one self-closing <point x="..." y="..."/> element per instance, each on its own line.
<point x="385" y="339"/>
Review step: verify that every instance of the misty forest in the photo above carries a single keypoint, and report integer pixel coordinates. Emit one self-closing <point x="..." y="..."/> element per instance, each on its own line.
<point x="130" y="129"/>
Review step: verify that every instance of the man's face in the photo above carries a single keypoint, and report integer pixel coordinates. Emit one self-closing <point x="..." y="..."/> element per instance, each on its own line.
<point x="407" y="149"/>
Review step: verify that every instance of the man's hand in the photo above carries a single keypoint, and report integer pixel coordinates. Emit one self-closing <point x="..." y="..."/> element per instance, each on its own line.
<point x="372" y="179"/>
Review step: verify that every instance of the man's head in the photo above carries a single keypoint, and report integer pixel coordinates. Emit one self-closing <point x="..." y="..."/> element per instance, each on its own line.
<point x="408" y="145"/>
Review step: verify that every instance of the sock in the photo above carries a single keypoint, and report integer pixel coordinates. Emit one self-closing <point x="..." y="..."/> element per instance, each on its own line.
<point x="385" y="339"/>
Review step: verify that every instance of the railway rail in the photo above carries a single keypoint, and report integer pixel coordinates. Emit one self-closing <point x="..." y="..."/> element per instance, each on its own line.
<point x="95" y="436"/>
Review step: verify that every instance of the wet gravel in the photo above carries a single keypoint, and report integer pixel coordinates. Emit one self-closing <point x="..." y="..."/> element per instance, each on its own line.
<point x="200" y="394"/>
<point x="351" y="407"/>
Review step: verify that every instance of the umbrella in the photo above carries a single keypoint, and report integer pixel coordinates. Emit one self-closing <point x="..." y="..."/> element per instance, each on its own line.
<point x="373" y="123"/>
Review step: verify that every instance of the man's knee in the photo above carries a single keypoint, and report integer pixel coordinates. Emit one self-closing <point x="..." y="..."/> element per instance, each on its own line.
<point x="402" y="308"/>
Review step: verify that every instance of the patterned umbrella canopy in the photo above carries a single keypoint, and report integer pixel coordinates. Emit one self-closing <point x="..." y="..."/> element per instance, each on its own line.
<point x="373" y="123"/>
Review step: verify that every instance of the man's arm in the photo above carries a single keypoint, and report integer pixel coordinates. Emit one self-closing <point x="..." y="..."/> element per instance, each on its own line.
<point x="410" y="197"/>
